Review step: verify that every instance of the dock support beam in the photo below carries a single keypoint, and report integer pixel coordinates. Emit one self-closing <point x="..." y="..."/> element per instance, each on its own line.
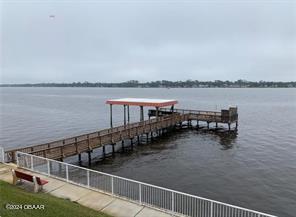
<point x="111" y="122"/>
<point x="113" y="149"/>
<point x="104" y="152"/>
<point x="124" y="115"/>
<point x="79" y="158"/>
<point x="89" y="158"/>
<point x="122" y="145"/>
<point x="141" y="113"/>
<point x="132" y="144"/>
<point x="128" y="115"/>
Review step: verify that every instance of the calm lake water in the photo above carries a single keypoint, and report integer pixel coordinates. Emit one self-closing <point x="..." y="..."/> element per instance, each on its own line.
<point x="256" y="169"/>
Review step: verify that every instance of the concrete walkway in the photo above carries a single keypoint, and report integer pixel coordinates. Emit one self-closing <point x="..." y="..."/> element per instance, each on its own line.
<point x="86" y="197"/>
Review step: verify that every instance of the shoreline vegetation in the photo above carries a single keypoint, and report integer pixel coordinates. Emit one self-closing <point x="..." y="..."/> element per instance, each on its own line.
<point x="166" y="84"/>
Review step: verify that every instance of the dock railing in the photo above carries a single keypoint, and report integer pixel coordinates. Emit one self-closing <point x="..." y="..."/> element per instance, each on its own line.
<point x="10" y="154"/>
<point x="170" y="201"/>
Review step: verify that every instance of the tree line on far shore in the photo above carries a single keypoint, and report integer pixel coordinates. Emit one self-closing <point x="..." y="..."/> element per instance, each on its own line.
<point x="167" y="84"/>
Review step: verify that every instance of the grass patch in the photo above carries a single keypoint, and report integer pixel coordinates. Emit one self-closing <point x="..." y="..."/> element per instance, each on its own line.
<point x="53" y="206"/>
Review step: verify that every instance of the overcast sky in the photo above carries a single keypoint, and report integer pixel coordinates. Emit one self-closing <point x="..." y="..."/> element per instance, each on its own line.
<point x="113" y="41"/>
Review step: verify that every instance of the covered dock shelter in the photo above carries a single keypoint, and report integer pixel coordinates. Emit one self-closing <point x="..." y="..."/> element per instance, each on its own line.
<point x="141" y="102"/>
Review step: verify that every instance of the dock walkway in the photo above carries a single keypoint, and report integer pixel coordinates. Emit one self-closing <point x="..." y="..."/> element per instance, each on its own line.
<point x="95" y="200"/>
<point x="165" y="120"/>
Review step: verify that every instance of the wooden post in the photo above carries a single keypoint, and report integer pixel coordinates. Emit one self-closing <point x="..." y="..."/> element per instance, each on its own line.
<point x="76" y="145"/>
<point x="124" y="115"/>
<point x="172" y="108"/>
<point x="229" y="126"/>
<point x="111" y="122"/>
<point x="79" y="158"/>
<point x="128" y="115"/>
<point x="138" y="139"/>
<point x="89" y="158"/>
<point x="132" y="144"/>
<point x="236" y="125"/>
<point x="122" y="145"/>
<point x="216" y="124"/>
<point x="104" y="152"/>
<point x="208" y="125"/>
<point x="113" y="149"/>
<point x="197" y="124"/>
<point x="156" y="112"/>
<point x="141" y="113"/>
<point x="147" y="137"/>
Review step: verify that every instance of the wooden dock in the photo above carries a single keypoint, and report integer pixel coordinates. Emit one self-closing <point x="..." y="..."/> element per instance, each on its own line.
<point x="164" y="120"/>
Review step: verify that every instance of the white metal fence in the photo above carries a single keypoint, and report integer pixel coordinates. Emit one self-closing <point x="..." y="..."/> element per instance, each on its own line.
<point x="2" y="155"/>
<point x="174" y="202"/>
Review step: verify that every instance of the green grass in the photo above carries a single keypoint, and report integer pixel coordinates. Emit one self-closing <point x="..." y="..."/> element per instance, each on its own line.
<point x="53" y="206"/>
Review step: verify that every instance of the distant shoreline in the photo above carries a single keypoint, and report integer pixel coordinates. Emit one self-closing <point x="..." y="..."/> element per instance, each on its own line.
<point x="13" y="86"/>
<point x="166" y="84"/>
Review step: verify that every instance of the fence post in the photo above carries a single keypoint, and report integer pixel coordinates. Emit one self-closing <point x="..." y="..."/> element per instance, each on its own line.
<point x="211" y="209"/>
<point x="140" y="193"/>
<point x="112" y="187"/>
<point x="2" y="155"/>
<point x="48" y="167"/>
<point x="67" y="173"/>
<point x="87" y="173"/>
<point x="32" y="167"/>
<point x="173" y="202"/>
<point x="17" y="159"/>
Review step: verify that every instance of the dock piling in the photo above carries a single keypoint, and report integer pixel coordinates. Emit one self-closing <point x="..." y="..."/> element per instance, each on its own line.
<point x="79" y="159"/>
<point x="113" y="149"/>
<point x="89" y="158"/>
<point x="104" y="152"/>
<point x="122" y="145"/>
<point x="132" y="144"/>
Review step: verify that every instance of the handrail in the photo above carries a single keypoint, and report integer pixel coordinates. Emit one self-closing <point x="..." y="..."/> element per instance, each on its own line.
<point x="114" y="129"/>
<point x="84" y="137"/>
<point x="101" y="135"/>
<point x="182" y="111"/>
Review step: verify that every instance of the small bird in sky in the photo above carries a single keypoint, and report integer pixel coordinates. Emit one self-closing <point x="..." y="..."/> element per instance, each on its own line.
<point x="52" y="16"/>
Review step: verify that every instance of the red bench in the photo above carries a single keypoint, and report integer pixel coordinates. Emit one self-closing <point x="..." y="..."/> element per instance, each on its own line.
<point x="38" y="182"/>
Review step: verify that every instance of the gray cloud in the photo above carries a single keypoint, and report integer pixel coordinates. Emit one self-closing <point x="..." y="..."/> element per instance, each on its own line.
<point x="118" y="41"/>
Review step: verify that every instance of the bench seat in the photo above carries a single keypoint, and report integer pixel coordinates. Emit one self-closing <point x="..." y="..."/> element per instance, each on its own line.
<point x="19" y="175"/>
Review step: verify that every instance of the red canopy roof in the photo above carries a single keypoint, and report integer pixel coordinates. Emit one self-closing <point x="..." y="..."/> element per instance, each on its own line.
<point x="142" y="102"/>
